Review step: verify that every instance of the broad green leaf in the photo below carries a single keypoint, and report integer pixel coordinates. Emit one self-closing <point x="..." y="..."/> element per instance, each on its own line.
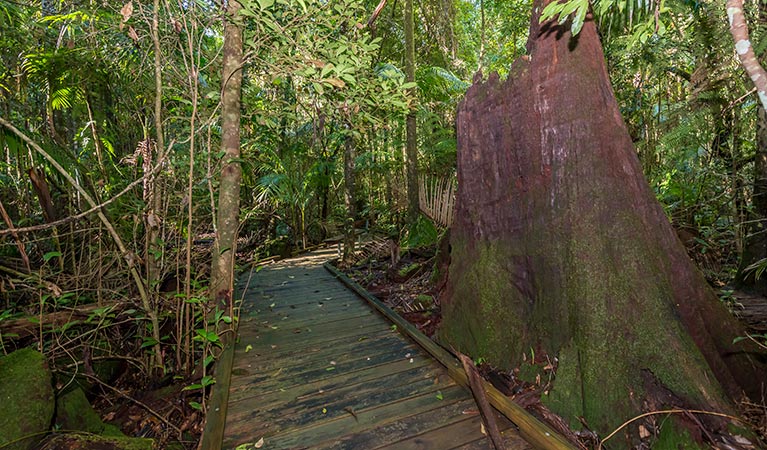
<point x="265" y="4"/>
<point x="50" y="255"/>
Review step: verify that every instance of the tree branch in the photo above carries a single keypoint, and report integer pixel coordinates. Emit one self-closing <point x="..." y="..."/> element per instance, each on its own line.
<point x="744" y="49"/>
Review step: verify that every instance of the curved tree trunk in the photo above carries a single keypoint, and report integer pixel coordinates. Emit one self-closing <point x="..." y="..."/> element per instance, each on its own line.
<point x="559" y="248"/>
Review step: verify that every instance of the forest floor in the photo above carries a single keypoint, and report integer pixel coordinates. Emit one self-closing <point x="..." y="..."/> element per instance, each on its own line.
<point x="408" y="288"/>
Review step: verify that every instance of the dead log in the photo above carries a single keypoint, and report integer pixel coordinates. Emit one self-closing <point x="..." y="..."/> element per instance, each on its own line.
<point x="27" y="326"/>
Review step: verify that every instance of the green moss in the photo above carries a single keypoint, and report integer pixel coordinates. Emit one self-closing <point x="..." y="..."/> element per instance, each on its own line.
<point x="597" y="302"/>
<point x="74" y="412"/>
<point x="407" y="270"/>
<point x="27" y="398"/>
<point x="483" y="323"/>
<point x="671" y="437"/>
<point x="111" y="430"/>
<point x="96" y="442"/>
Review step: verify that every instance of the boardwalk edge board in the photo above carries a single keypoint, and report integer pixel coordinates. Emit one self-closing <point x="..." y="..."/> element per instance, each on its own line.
<point x="215" y="418"/>
<point x="538" y="434"/>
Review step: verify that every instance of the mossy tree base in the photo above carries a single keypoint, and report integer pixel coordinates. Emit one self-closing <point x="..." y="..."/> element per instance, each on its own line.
<point x="559" y="248"/>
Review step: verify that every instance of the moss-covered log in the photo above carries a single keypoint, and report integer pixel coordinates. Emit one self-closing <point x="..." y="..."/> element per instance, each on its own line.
<point x="559" y="248"/>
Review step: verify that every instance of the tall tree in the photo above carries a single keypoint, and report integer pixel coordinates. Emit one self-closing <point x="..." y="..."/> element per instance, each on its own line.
<point x="755" y="245"/>
<point x="560" y="251"/>
<point x="411" y="138"/>
<point x="227" y="223"/>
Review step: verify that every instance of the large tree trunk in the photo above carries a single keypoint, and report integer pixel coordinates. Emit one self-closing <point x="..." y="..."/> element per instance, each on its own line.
<point x="224" y="249"/>
<point x="560" y="247"/>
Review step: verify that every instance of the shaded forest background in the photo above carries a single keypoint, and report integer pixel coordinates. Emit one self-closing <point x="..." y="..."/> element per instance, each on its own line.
<point x="114" y="109"/>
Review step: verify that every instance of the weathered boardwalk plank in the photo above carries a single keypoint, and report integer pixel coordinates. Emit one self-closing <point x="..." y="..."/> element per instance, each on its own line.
<point x="316" y="367"/>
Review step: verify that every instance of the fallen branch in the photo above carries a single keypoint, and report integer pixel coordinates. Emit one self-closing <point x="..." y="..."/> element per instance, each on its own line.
<point x="92" y="210"/>
<point x="29" y="325"/>
<point x="666" y="411"/>
<point x="130" y="258"/>
<point x="485" y="410"/>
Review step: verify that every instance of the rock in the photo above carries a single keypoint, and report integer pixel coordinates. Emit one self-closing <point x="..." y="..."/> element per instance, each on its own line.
<point x="73" y="441"/>
<point x="74" y="412"/>
<point x="27" y="398"/>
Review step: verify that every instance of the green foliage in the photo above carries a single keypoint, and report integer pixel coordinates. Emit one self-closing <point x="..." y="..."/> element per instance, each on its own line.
<point x="422" y="233"/>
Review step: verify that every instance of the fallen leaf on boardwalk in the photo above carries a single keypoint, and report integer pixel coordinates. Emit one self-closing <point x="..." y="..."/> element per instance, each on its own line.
<point x="482" y="428"/>
<point x="260" y="443"/>
<point x="248" y="348"/>
<point x="273" y="347"/>
<point x="291" y="276"/>
<point x="330" y="368"/>
<point x="332" y="363"/>
<point x="272" y="305"/>
<point x="643" y="433"/>
<point x="439" y="395"/>
<point x="324" y="410"/>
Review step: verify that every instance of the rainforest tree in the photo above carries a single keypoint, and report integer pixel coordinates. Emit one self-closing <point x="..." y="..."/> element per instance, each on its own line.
<point x="562" y="257"/>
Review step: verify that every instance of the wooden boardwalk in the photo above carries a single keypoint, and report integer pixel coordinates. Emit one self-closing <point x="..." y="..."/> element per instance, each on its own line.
<point x="316" y="367"/>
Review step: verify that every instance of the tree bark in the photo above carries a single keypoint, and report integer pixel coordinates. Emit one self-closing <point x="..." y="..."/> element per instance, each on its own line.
<point x="755" y="245"/>
<point x="152" y="218"/>
<point x="411" y="150"/>
<point x="744" y="49"/>
<point x="560" y="250"/>
<point x="349" y="188"/>
<point x="224" y="249"/>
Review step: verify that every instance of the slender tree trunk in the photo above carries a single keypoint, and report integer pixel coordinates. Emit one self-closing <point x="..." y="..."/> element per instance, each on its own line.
<point x="755" y="247"/>
<point x="96" y="138"/>
<point x="411" y="142"/>
<point x="184" y="312"/>
<point x="349" y="188"/>
<point x="744" y="49"/>
<point x="481" y="34"/>
<point x="154" y="200"/>
<point x="561" y="252"/>
<point x="224" y="249"/>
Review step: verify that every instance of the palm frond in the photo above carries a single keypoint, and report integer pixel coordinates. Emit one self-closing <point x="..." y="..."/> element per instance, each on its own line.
<point x="436" y="198"/>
